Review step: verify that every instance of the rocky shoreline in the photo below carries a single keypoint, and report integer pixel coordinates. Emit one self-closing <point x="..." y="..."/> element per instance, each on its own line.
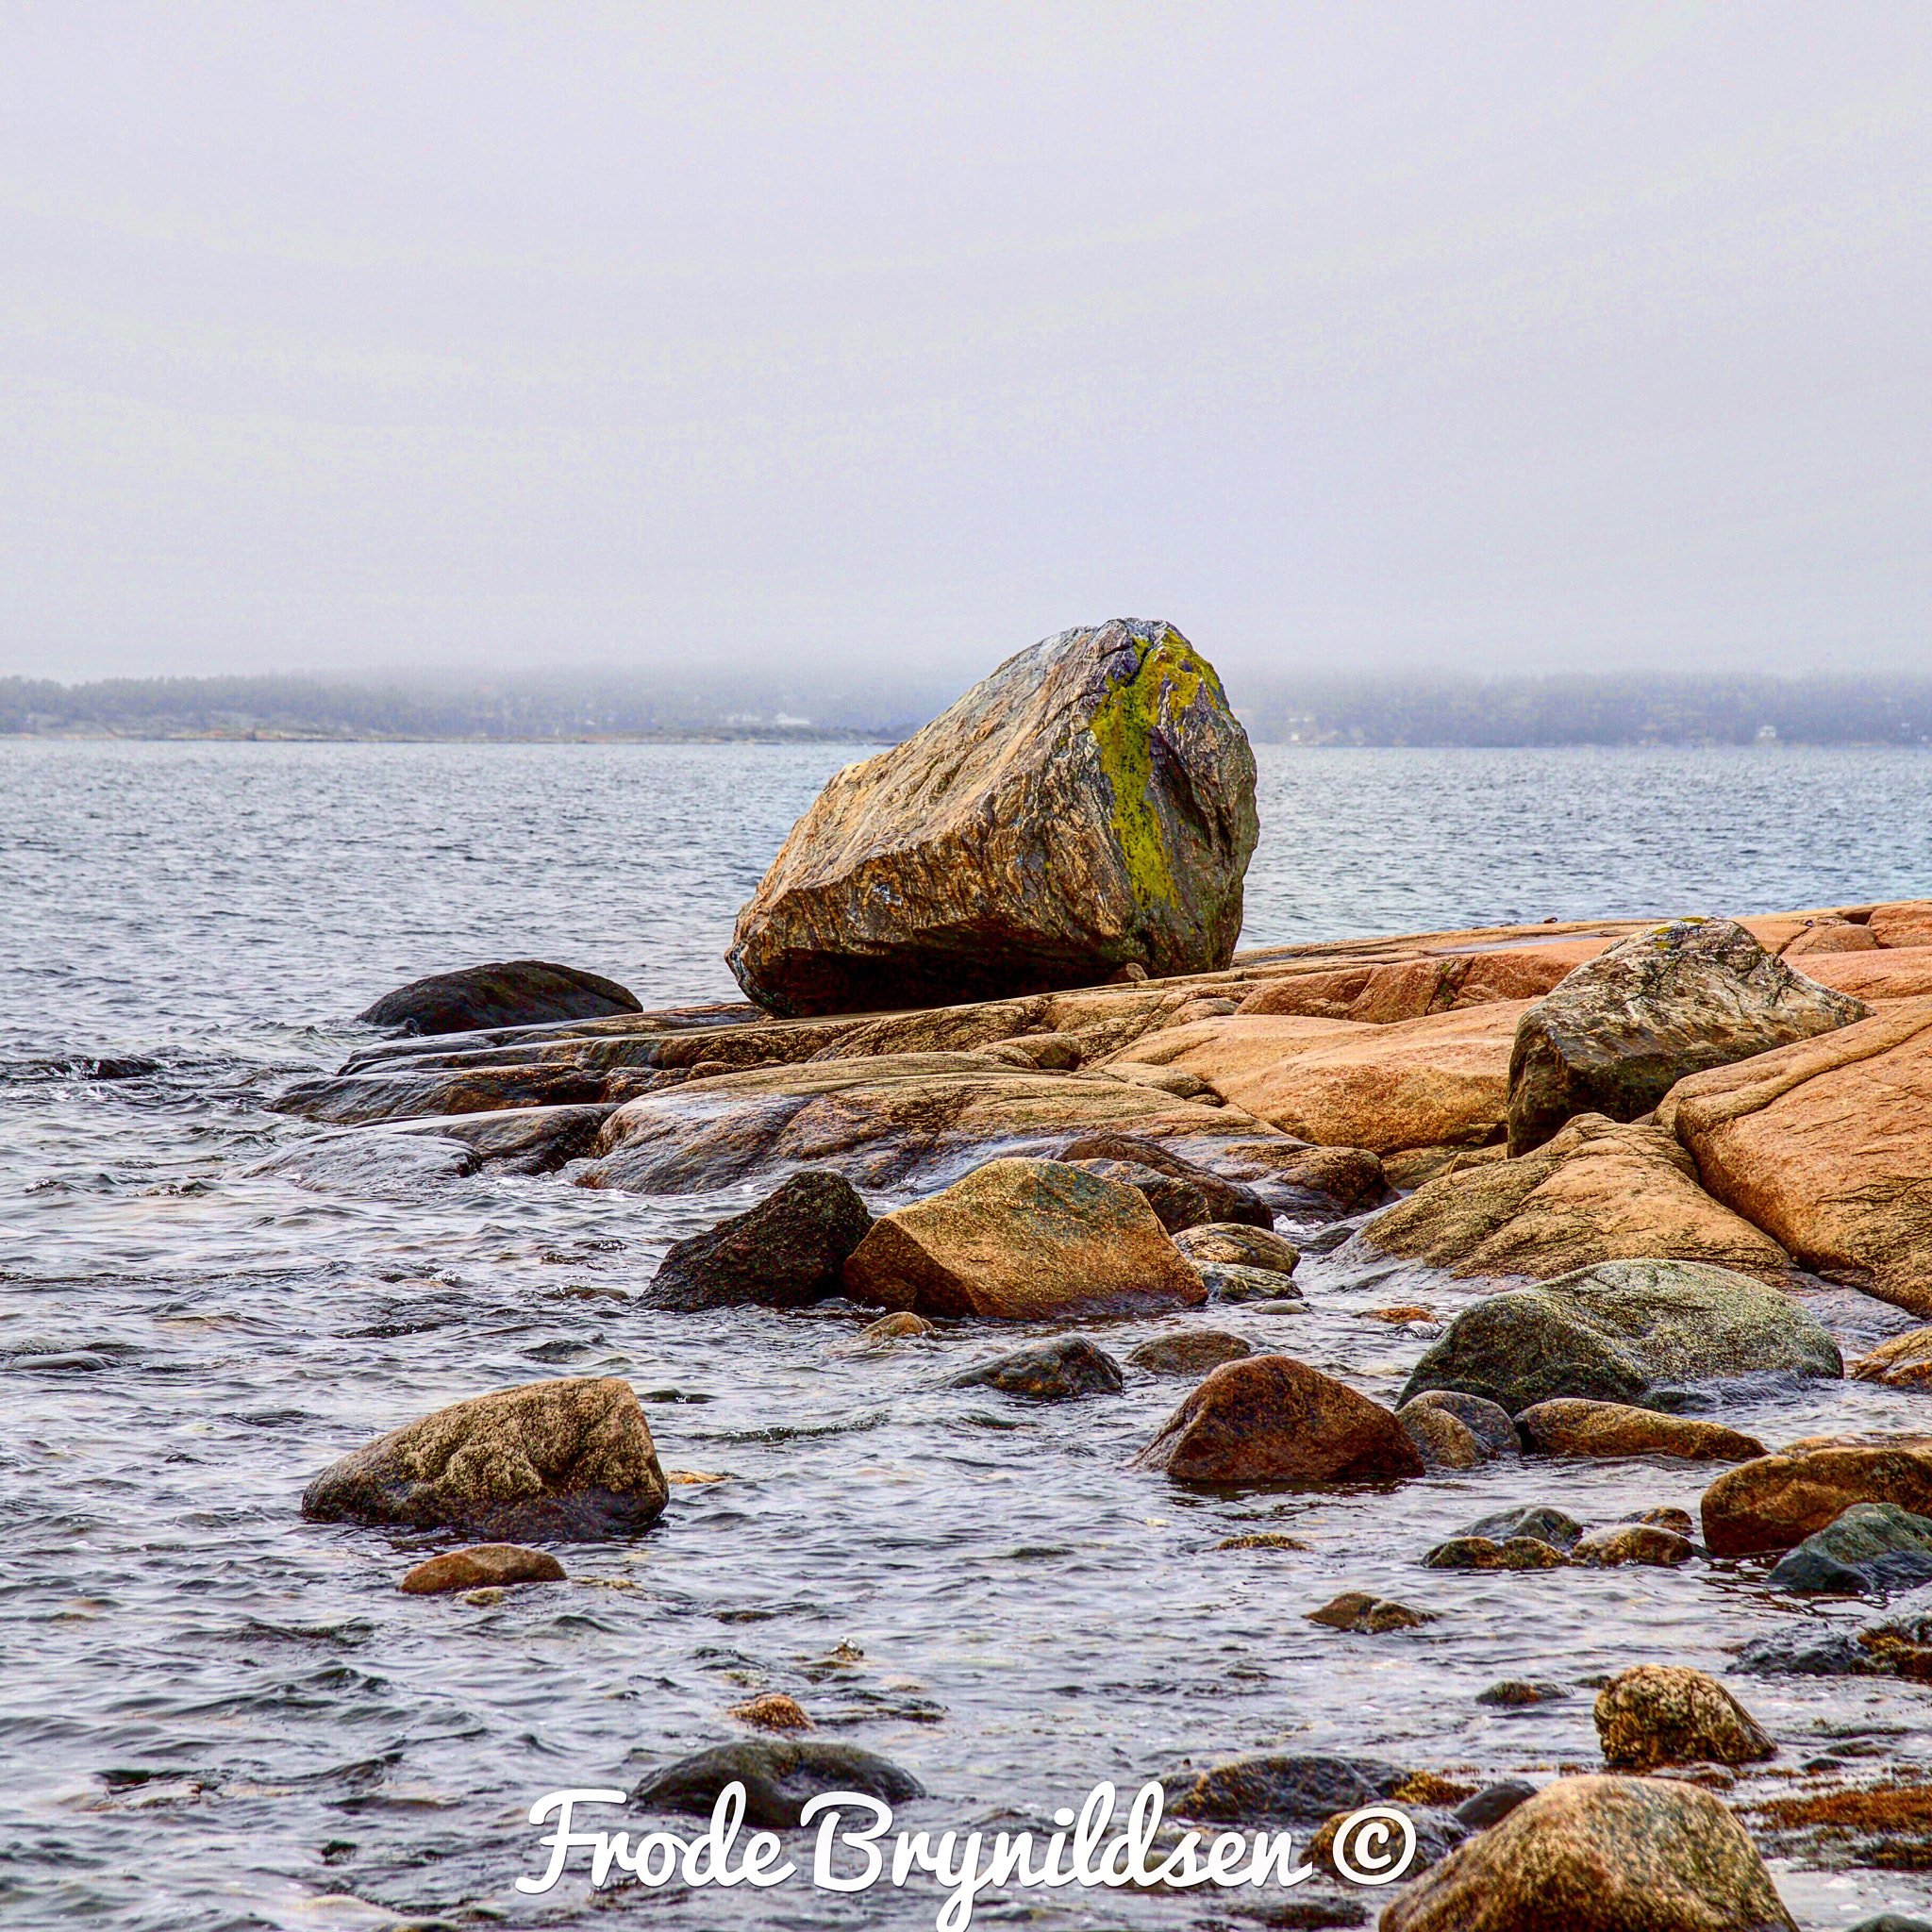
<point x="1628" y="1154"/>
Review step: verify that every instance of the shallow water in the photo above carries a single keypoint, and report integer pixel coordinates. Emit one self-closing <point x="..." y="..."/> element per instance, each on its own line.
<point x="217" y="1715"/>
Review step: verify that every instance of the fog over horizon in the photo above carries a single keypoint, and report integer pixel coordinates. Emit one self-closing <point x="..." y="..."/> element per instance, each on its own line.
<point x="882" y="342"/>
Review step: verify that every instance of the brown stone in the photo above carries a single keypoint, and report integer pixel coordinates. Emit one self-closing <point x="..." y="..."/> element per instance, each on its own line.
<point x="1632" y="1542"/>
<point x="1826" y="1145"/>
<point x="773" y="1711"/>
<point x="1595" y="1193"/>
<point x="1360" y="1611"/>
<point x="1435" y="983"/>
<point x="1599" y="1855"/>
<point x="1903" y="923"/>
<point x="1664" y="1714"/>
<point x="568" y="1459"/>
<point x="1903" y="1362"/>
<point x="1023" y="1241"/>
<point x="1570" y="1426"/>
<point x="1271" y="1419"/>
<point x="1191" y="1354"/>
<point x="1481" y="1553"/>
<point x="1231" y="1245"/>
<point x="1444" y="1078"/>
<point x="1874" y="976"/>
<point x="1829" y="935"/>
<point x="1777" y="1501"/>
<point x="481" y="1566"/>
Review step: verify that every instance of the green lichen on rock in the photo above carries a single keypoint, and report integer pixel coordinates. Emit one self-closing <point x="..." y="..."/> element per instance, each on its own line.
<point x="1168" y="679"/>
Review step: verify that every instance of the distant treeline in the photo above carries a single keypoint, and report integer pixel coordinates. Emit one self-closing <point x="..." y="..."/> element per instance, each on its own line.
<point x="1313" y="709"/>
<point x="1580" y="709"/>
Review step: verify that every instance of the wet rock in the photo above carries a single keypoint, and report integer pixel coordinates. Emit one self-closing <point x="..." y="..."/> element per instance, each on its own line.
<point x="1209" y="1198"/>
<point x="913" y="1119"/>
<point x="1262" y="1539"/>
<point x="1569" y="1426"/>
<point x="780" y="1775"/>
<point x="1229" y="1244"/>
<point x="1775" y="1503"/>
<point x="786" y="1253"/>
<point x="1456" y="1431"/>
<point x="1594" y="1192"/>
<point x="1898" y="1646"/>
<point x="1892" y="1922"/>
<point x="1055" y="1371"/>
<point x="1625" y="1332"/>
<point x="1479" y="1553"/>
<point x="1600" y="1854"/>
<point x="1871" y="1547"/>
<point x="1664" y="1714"/>
<point x="1192" y="1353"/>
<point x="1494" y="1802"/>
<point x="1623" y="1028"/>
<point x="1176" y="1202"/>
<point x="513" y="992"/>
<point x="1279" y="1789"/>
<point x="1271" y="1419"/>
<point x="1826" y="1145"/>
<point x="1514" y="1693"/>
<point x="1090" y="804"/>
<point x="410" y="1093"/>
<point x="1341" y="1084"/>
<point x="1679" y="1522"/>
<point x="1539" y="1520"/>
<point x="1226" y="1282"/>
<point x="1365" y="1614"/>
<point x="1024" y="1240"/>
<point x="771" y="1711"/>
<point x="565" y="1460"/>
<point x="481" y="1566"/>
<point x="1905" y="1361"/>
<point x="888" y="1329"/>
<point x="1632" y="1542"/>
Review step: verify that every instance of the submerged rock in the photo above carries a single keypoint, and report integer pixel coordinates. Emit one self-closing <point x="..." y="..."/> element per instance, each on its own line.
<point x="1090" y="805"/>
<point x="771" y="1711"/>
<point x="1480" y="1553"/>
<point x="1600" y="1854"/>
<point x="1540" y="1520"/>
<point x="513" y="992"/>
<point x="1196" y="1196"/>
<point x="482" y="1566"/>
<point x="779" y="1776"/>
<point x="1625" y="1332"/>
<point x="1024" y="1240"/>
<point x="787" y="1251"/>
<point x="1569" y="1427"/>
<point x="1869" y="1547"/>
<point x="1364" y="1614"/>
<point x="565" y="1460"/>
<point x="1827" y="1146"/>
<point x="1229" y="1282"/>
<point x="1623" y="1028"/>
<point x="1279" y="1789"/>
<point x="1902" y="1362"/>
<point x="1191" y="1354"/>
<point x="1055" y="1371"/>
<point x="1776" y="1502"/>
<point x="1595" y="1193"/>
<point x="1664" y="1714"/>
<point x="1617" y="1544"/>
<point x="1270" y="1419"/>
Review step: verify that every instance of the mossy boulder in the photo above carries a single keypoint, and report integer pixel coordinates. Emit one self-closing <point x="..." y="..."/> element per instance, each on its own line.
<point x="1626" y="1332"/>
<point x="1088" y="807"/>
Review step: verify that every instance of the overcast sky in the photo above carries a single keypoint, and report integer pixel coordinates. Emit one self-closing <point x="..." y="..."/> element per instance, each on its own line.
<point x="1495" y="336"/>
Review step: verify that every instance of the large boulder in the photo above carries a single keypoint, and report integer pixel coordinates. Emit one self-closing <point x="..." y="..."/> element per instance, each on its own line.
<point x="1024" y="1240"/>
<point x="786" y="1253"/>
<point x="1088" y="805"/>
<point x="1270" y="1419"/>
<point x="1595" y="1193"/>
<point x="551" y="1461"/>
<point x="1600" y="1854"/>
<point x="1776" y="1502"/>
<point x="1626" y="1331"/>
<point x="1826" y="1145"/>
<point x="511" y="993"/>
<point x="1342" y="1083"/>
<point x="1623" y="1028"/>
